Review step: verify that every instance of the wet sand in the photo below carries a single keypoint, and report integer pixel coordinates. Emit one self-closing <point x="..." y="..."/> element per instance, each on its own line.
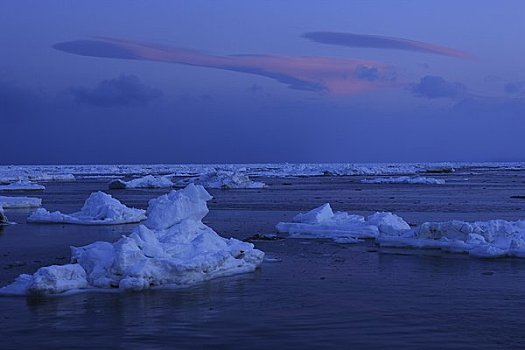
<point x="314" y="293"/>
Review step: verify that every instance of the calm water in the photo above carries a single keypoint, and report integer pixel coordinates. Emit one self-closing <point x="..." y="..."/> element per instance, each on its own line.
<point x="320" y="294"/>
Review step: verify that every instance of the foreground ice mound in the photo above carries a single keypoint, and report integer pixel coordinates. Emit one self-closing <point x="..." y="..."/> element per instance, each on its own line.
<point x="405" y="180"/>
<point x="99" y="209"/>
<point x="19" y="202"/>
<point x="174" y="248"/>
<point x="485" y="239"/>
<point x="22" y="186"/>
<point x="343" y="227"/>
<point x="148" y="181"/>
<point x="224" y="180"/>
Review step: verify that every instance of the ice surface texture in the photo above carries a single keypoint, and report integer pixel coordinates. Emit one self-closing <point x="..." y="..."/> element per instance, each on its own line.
<point x="19" y="202"/>
<point x="405" y="180"/>
<point x="224" y="179"/>
<point x="174" y="249"/>
<point x="99" y="209"/>
<point x="485" y="239"/>
<point x="343" y="227"/>
<point x="148" y="181"/>
<point x="22" y="185"/>
<point x="11" y="173"/>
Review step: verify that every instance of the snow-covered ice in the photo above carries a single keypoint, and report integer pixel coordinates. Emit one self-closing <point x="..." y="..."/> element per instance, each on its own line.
<point x="99" y="209"/>
<point x="22" y="185"/>
<point x="486" y="239"/>
<point x="343" y="227"/>
<point x="405" y="180"/>
<point x="148" y="181"/>
<point x="224" y="179"/>
<point x="172" y="249"/>
<point x="19" y="202"/>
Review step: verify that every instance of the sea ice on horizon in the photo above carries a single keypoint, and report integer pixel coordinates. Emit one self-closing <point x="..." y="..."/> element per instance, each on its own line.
<point x="224" y="180"/>
<point x="404" y="180"/>
<point x="19" y="202"/>
<point x="485" y="239"/>
<point x="22" y="185"/>
<point x="99" y="209"/>
<point x="172" y="249"/>
<point x="148" y="181"/>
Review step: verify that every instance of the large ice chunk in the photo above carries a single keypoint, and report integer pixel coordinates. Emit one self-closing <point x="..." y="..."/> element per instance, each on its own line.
<point x="223" y="179"/>
<point x="405" y="180"/>
<point x="322" y="222"/>
<point x="174" y="248"/>
<point x="22" y="186"/>
<point x="19" y="202"/>
<point x="486" y="239"/>
<point x="99" y="209"/>
<point x="148" y="181"/>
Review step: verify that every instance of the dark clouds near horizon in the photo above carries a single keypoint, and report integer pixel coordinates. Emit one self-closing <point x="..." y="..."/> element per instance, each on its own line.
<point x="437" y="87"/>
<point x="126" y="90"/>
<point x="515" y="88"/>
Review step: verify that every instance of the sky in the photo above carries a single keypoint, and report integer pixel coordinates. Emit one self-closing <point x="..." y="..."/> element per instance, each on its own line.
<point x="236" y="81"/>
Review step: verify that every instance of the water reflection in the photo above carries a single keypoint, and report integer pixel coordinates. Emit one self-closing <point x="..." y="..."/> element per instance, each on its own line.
<point x="321" y="294"/>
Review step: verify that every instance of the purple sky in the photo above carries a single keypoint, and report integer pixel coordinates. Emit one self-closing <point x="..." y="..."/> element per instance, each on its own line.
<point x="261" y="81"/>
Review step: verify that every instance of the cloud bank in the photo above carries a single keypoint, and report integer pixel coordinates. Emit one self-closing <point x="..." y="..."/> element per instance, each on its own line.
<point x="436" y="87"/>
<point x="319" y="74"/>
<point x="383" y="42"/>
<point x="515" y="88"/>
<point x="126" y="90"/>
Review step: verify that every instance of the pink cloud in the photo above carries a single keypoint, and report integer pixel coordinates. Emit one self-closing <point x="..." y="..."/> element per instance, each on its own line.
<point x="322" y="74"/>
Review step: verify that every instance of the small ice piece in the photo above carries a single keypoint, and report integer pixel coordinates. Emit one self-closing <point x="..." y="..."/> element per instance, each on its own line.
<point x="52" y="279"/>
<point x="99" y="209"/>
<point x="19" y="202"/>
<point x="322" y="222"/>
<point x="404" y="180"/>
<point x="388" y="223"/>
<point x="173" y="249"/>
<point x="148" y="181"/>
<point x="223" y="179"/>
<point x="3" y="218"/>
<point x="440" y="168"/>
<point x="22" y="186"/>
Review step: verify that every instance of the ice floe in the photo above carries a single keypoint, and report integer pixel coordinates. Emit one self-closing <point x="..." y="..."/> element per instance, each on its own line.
<point x="172" y="249"/>
<point x="148" y="181"/>
<point x="343" y="227"/>
<point x="19" y="202"/>
<point x="99" y="209"/>
<point x="223" y="179"/>
<point x="485" y="239"/>
<point x="405" y="180"/>
<point x="22" y="185"/>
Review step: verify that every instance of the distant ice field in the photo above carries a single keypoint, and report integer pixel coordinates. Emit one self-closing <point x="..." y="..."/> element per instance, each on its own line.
<point x="11" y="173"/>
